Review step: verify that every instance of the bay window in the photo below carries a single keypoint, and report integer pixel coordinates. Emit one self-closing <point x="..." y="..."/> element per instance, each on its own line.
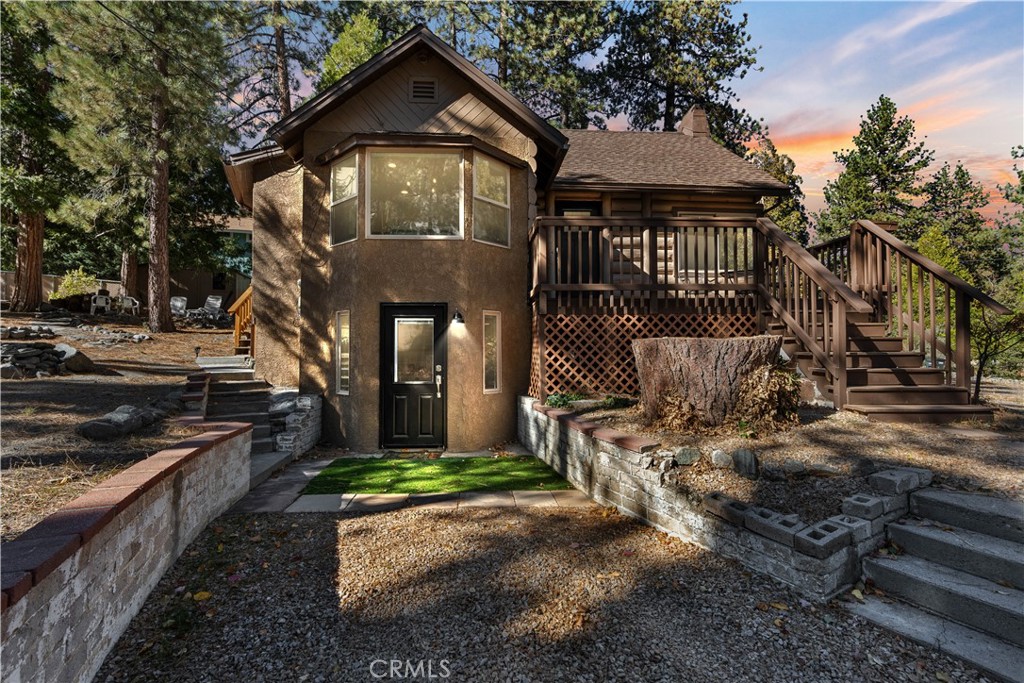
<point x="416" y="193"/>
<point x="491" y="210"/>
<point x="344" y="200"/>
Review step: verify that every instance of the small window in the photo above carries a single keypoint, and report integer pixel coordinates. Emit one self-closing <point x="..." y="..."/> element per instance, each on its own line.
<point x="491" y="213"/>
<point x="423" y="90"/>
<point x="492" y="352"/>
<point x="342" y="351"/>
<point x="344" y="188"/>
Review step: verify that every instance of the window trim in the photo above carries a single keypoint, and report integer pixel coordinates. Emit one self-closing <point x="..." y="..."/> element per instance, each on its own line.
<point x="416" y="150"/>
<point x="338" y="389"/>
<point x="483" y="337"/>
<point x="507" y="207"/>
<point x="334" y="202"/>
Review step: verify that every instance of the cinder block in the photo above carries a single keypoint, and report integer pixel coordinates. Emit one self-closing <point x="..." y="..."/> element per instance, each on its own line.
<point x="869" y="545"/>
<point x="725" y="507"/>
<point x="896" y="503"/>
<point x="863" y="505"/>
<point x="773" y="525"/>
<point x="924" y="476"/>
<point x="878" y="525"/>
<point x="821" y="539"/>
<point x="892" y="482"/>
<point x="860" y="529"/>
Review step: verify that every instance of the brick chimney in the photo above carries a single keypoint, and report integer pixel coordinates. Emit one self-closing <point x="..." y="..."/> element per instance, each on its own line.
<point x="695" y="123"/>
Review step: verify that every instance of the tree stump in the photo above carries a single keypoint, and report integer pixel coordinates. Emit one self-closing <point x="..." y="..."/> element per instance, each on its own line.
<point x="699" y="379"/>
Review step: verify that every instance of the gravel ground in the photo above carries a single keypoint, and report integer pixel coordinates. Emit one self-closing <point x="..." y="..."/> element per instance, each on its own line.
<point x="489" y="595"/>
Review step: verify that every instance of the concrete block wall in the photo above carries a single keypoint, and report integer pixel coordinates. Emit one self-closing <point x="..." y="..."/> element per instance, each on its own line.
<point x="302" y="427"/>
<point x="72" y="583"/>
<point x="818" y="560"/>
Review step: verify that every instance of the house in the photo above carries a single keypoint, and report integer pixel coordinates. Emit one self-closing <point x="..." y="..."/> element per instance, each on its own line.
<point x="426" y="248"/>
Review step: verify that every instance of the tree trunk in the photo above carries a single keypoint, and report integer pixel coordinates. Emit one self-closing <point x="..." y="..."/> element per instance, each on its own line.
<point x="284" y="92"/>
<point x="701" y="377"/>
<point x="28" y="268"/>
<point x="129" y="273"/>
<point x="159" y="258"/>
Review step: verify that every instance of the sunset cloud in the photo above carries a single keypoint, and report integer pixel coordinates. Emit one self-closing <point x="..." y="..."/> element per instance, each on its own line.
<point x="869" y="36"/>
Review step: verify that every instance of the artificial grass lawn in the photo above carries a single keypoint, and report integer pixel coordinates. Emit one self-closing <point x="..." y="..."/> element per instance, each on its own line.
<point x="443" y="475"/>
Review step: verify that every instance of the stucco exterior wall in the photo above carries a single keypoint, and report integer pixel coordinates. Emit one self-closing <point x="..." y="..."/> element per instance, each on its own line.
<point x="276" y="252"/>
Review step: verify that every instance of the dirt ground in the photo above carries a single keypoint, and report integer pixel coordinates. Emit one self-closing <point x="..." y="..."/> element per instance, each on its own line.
<point x="44" y="463"/>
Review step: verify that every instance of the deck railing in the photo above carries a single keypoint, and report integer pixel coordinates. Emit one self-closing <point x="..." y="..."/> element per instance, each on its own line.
<point x="919" y="300"/>
<point x="834" y="255"/>
<point x="242" y="310"/>
<point x="642" y="265"/>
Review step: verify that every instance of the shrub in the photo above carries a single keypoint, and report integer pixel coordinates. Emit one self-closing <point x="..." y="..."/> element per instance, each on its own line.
<point x="76" y="283"/>
<point x="563" y="400"/>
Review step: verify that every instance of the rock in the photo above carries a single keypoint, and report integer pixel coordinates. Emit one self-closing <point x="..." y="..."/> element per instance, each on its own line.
<point x="26" y="353"/>
<point x="18" y="334"/>
<point x="75" y="360"/>
<point x="119" y="422"/>
<point x="686" y="455"/>
<point x="10" y="371"/>
<point x="128" y="418"/>
<point x="99" y="430"/>
<point x="864" y="467"/>
<point x="794" y="468"/>
<point x="744" y="461"/>
<point x="773" y="473"/>
<point x="822" y="470"/>
<point x="721" y="459"/>
<point x="666" y="465"/>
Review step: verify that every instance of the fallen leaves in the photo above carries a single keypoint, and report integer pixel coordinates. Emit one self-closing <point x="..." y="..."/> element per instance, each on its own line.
<point x="202" y="595"/>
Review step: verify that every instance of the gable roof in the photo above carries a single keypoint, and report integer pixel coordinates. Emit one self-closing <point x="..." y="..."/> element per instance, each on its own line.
<point x="658" y="160"/>
<point x="551" y="144"/>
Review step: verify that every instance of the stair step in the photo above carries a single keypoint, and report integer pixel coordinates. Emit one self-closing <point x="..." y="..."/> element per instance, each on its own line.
<point x="877" y="359"/>
<point x="236" y="407"/>
<point x="251" y="418"/>
<point x="242" y="350"/>
<point x="853" y="329"/>
<point x="956" y="595"/>
<point x="897" y="395"/>
<point x="207" y="362"/>
<point x="992" y="655"/>
<point x="858" y="377"/>
<point x="921" y="414"/>
<point x="264" y="445"/>
<point x="989" y="557"/>
<point x="229" y="373"/>
<point x="261" y="431"/>
<point x="262" y="465"/>
<point x="999" y="517"/>
<point x="240" y="395"/>
<point x="881" y="344"/>
<point x="222" y="386"/>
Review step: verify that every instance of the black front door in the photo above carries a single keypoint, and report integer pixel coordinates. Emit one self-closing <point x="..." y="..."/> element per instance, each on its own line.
<point x="413" y="375"/>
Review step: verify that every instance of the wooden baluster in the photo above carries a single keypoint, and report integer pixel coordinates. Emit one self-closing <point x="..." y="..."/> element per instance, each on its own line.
<point x="963" y="340"/>
<point x="920" y="307"/>
<point x="948" y="364"/>
<point x="931" y="315"/>
<point x="839" y="338"/>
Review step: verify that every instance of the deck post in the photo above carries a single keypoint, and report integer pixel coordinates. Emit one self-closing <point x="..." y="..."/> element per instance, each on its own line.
<point x="760" y="261"/>
<point x="542" y="374"/>
<point x="963" y="340"/>
<point x="839" y="341"/>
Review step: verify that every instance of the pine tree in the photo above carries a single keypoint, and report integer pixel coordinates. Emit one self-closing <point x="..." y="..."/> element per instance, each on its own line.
<point x="787" y="212"/>
<point x="879" y="180"/>
<point x="675" y="54"/>
<point x="143" y="82"/>
<point x="36" y="173"/>
<point x="953" y="203"/>
<point x="358" y="41"/>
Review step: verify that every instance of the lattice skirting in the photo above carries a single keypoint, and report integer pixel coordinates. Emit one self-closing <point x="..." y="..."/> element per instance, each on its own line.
<point x="593" y="354"/>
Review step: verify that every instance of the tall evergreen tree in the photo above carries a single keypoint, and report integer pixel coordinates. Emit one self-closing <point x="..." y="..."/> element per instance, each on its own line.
<point x="879" y="180"/>
<point x="143" y="81"/>
<point x="36" y="173"/>
<point x="953" y="203"/>
<point x="358" y="41"/>
<point x="787" y="212"/>
<point x="672" y="55"/>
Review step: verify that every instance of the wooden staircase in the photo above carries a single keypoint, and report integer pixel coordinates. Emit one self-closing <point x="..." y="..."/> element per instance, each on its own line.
<point x="245" y="324"/>
<point x="896" y="359"/>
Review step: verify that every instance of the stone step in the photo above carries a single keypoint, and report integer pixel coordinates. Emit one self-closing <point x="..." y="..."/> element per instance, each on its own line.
<point x="921" y="414"/>
<point x="261" y="431"/>
<point x="251" y="418"/>
<point x="216" y="409"/>
<point x="207" y="362"/>
<point x="999" y="517"/>
<point x="908" y="377"/>
<point x="262" y="465"/>
<point x="995" y="559"/>
<point x="952" y="594"/>
<point x="239" y="395"/>
<point x="220" y="386"/>
<point x="229" y="373"/>
<point x="992" y="655"/>
<point x="899" y="395"/>
<point x="264" y="445"/>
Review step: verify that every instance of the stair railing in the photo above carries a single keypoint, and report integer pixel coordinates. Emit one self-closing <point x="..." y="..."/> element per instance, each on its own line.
<point x="811" y="301"/>
<point x="242" y="311"/>
<point x="834" y="255"/>
<point x="919" y="300"/>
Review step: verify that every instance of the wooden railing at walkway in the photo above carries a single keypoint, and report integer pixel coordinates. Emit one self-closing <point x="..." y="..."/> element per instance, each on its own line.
<point x="242" y="311"/>
<point x="919" y="300"/>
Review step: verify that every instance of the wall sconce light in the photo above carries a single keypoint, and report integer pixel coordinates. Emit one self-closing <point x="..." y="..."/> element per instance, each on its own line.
<point x="457" y="319"/>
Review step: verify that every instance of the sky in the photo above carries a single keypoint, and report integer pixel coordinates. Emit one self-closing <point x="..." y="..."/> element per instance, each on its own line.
<point x="956" y="68"/>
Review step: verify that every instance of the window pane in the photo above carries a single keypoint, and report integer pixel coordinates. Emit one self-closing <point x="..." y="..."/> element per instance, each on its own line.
<point x="491" y="179"/>
<point x="415" y="193"/>
<point x="414" y="351"/>
<point x="343" y="221"/>
<point x="490" y="222"/>
<point x="343" y="179"/>
<point x="492" y="351"/>
<point x="341" y="351"/>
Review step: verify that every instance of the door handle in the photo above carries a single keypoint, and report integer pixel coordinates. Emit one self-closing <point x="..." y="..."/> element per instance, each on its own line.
<point x="437" y="381"/>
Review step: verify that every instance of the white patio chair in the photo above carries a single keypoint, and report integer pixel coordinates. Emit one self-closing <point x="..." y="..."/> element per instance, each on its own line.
<point x="129" y="304"/>
<point x="99" y="301"/>
<point x="179" y="306"/>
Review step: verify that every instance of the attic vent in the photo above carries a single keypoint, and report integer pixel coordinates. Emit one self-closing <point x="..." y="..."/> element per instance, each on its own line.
<point x="423" y="90"/>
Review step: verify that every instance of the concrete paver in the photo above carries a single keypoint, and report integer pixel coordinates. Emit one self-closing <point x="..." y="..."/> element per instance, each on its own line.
<point x="487" y="499"/>
<point x="377" y="502"/>
<point x="539" y="499"/>
<point x="571" y="498"/>
<point x="321" y="502"/>
<point x="434" y="501"/>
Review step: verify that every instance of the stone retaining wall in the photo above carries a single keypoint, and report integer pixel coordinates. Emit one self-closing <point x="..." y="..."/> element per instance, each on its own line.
<point x="73" y="582"/>
<point x="301" y="426"/>
<point x="818" y="560"/>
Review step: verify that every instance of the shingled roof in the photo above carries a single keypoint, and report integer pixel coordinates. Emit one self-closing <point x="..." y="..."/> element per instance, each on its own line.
<point x="656" y="160"/>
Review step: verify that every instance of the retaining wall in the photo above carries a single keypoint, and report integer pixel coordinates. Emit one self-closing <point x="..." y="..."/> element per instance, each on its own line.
<point x="73" y="582"/>
<point x="628" y="472"/>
